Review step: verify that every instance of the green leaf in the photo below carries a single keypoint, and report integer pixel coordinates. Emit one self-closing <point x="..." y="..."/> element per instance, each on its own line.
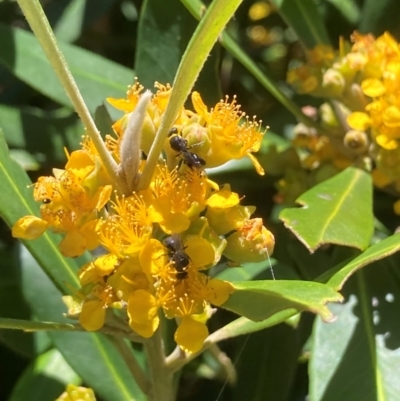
<point x="196" y="8"/>
<point x="358" y="356"/>
<point x="275" y="353"/>
<point x="72" y="17"/>
<point x="337" y="276"/>
<point x="242" y="326"/>
<point x="17" y="201"/>
<point x="337" y="211"/>
<point x="378" y="17"/>
<point x="163" y="34"/>
<point x="56" y="129"/>
<point x="103" y="121"/>
<point x="13" y="305"/>
<point x="303" y="17"/>
<point x="96" y="77"/>
<point x="91" y="355"/>
<point x="244" y="273"/>
<point x="349" y="9"/>
<point x="258" y="300"/>
<point x="45" y="379"/>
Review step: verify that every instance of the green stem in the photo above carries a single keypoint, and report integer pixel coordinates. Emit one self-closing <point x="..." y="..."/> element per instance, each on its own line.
<point x="196" y="7"/>
<point x="116" y="330"/>
<point x="161" y="376"/>
<point x="225" y="362"/>
<point x="27" y="325"/>
<point x="130" y="360"/>
<point x="41" y="28"/>
<point x="197" y="51"/>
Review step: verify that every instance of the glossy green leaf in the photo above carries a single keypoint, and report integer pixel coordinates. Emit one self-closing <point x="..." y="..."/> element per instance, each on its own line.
<point x="337" y="276"/>
<point x="45" y="379"/>
<point x="358" y="356"/>
<point x="96" y="77"/>
<point x="337" y="211"/>
<point x="303" y="17"/>
<point x="91" y="355"/>
<point x="165" y="29"/>
<point x="258" y="300"/>
<point x="17" y="201"/>
<point x="57" y="129"/>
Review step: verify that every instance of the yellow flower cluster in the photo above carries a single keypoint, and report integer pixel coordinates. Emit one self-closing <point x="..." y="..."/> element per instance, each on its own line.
<point x="156" y="243"/>
<point x="362" y="122"/>
<point x="77" y="393"/>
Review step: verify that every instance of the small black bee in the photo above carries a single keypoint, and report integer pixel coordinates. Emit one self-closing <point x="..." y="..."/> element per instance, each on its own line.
<point x="180" y="145"/>
<point x="177" y="254"/>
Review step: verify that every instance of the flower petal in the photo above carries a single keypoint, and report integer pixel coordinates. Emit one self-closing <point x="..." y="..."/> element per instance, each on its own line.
<point x="29" y="227"/>
<point x="190" y="334"/>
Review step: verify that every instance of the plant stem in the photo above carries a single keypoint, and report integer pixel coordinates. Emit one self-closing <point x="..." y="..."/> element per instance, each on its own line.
<point x="27" y="325"/>
<point x="195" y="7"/>
<point x="41" y="28"/>
<point x="197" y="51"/>
<point x="130" y="360"/>
<point x="161" y="376"/>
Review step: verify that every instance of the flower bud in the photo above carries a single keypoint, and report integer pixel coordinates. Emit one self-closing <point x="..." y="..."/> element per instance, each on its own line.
<point x="304" y="135"/>
<point x="357" y="141"/>
<point x="198" y="138"/>
<point x="251" y="243"/>
<point x="327" y="115"/>
<point x="333" y="83"/>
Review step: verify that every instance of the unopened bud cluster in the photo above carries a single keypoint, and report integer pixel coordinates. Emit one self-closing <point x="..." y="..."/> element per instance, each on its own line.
<point x="360" y="125"/>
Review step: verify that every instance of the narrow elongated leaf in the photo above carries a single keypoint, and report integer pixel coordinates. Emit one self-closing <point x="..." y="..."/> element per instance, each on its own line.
<point x="91" y="355"/>
<point x="358" y="356"/>
<point x="17" y="201"/>
<point x="337" y="211"/>
<point x="258" y="300"/>
<point x="45" y="379"/>
<point x="96" y="77"/>
<point x="303" y="17"/>
<point x="337" y="276"/>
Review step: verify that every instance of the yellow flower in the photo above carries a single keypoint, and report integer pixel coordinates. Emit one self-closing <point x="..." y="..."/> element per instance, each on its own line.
<point x="69" y="208"/>
<point x="75" y="393"/>
<point x="224" y="213"/>
<point x="229" y="138"/>
<point x="177" y="199"/>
